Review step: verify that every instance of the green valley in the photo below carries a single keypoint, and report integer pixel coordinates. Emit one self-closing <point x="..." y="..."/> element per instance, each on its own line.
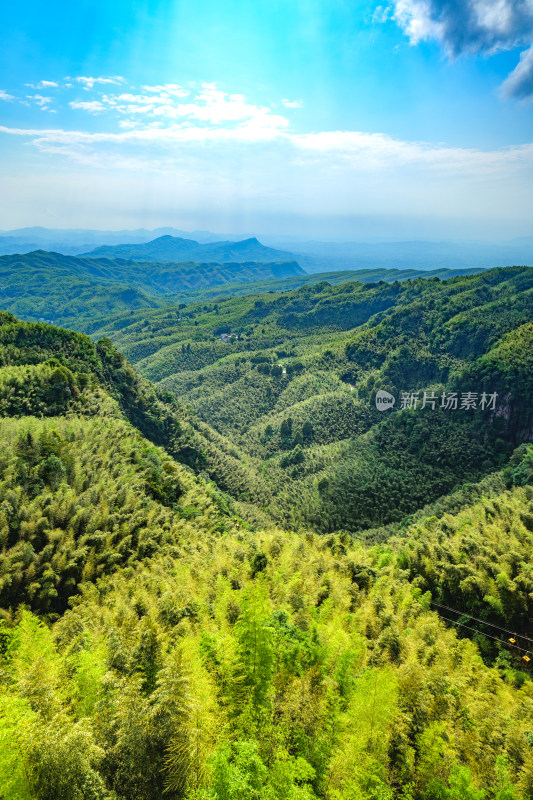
<point x="294" y="388"/>
<point x="226" y="575"/>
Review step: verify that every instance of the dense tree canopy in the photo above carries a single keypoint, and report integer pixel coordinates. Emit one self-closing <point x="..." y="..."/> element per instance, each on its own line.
<point x="244" y="582"/>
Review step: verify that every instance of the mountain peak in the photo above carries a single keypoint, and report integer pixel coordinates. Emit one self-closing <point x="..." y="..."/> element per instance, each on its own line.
<point x="251" y="242"/>
<point x="168" y="239"/>
<point x="169" y="248"/>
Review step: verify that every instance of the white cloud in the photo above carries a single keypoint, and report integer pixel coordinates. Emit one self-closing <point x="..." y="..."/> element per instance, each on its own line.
<point x="381" y="14"/>
<point x="42" y="102"/>
<point x="93" y="106"/>
<point x="169" y="89"/>
<point x="519" y="83"/>
<point x="292" y="103"/>
<point x="468" y="26"/>
<point x="377" y="152"/>
<point x="354" y="151"/>
<point x="220" y="145"/>
<point x="473" y="26"/>
<point x="5" y="95"/>
<point x="219" y="172"/>
<point x="90" y="82"/>
<point x="207" y="106"/>
<point x="414" y="17"/>
<point x="159" y="126"/>
<point x="495" y="16"/>
<point x="42" y="85"/>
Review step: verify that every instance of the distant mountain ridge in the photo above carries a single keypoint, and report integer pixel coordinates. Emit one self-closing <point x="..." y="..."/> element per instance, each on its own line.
<point x="313" y="255"/>
<point x="72" y="291"/>
<point x="174" y="248"/>
<point x="74" y="241"/>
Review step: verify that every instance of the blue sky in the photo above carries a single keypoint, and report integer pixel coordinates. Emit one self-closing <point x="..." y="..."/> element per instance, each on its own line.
<point x="321" y="118"/>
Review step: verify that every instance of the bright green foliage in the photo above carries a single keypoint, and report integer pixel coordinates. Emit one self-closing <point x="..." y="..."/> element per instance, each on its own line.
<point x="358" y="694"/>
<point x="16" y="719"/>
<point x="255" y="652"/>
<point x="478" y="562"/>
<point x="103" y="499"/>
<point x="160" y="639"/>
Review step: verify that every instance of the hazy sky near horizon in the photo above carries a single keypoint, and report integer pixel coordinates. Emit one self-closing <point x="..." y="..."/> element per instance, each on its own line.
<point x="318" y="118"/>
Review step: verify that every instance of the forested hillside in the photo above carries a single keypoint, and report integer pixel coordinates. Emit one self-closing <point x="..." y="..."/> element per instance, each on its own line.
<point x="153" y="646"/>
<point x="333" y="278"/>
<point x="246" y="582"/>
<point x="294" y="387"/>
<point x="47" y="371"/>
<point x="83" y="293"/>
<point x="76" y="292"/>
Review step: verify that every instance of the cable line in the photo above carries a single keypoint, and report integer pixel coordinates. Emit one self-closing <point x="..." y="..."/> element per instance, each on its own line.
<point x="501" y="641"/>
<point x="482" y="622"/>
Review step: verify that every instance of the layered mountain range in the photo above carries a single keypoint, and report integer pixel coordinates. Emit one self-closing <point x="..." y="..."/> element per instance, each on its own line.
<point x="172" y="248"/>
<point x="225" y="572"/>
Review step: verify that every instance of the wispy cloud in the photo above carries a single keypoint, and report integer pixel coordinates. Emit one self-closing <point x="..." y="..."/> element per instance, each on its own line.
<point x="209" y="149"/>
<point x="39" y="100"/>
<point x="381" y="14"/>
<point x="520" y="82"/>
<point x="161" y="122"/>
<point x="207" y="105"/>
<point x="351" y="151"/>
<point x="89" y="83"/>
<point x="169" y="89"/>
<point x="377" y="152"/>
<point x="221" y="148"/>
<point x="93" y="106"/>
<point x="42" y="85"/>
<point x="5" y="95"/>
<point x="474" y="26"/>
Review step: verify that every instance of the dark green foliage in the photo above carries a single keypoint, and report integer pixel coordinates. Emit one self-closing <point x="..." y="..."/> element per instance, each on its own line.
<point x="259" y="563"/>
<point x="47" y="371"/>
<point x="520" y="470"/>
<point x="408" y="459"/>
<point x="295" y="394"/>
